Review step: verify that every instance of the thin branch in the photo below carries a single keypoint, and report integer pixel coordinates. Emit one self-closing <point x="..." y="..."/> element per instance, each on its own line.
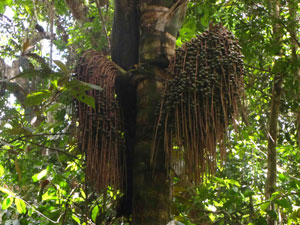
<point x="67" y="205"/>
<point x="53" y="149"/>
<point x="41" y="214"/>
<point x="8" y="19"/>
<point x="52" y="14"/>
<point x="35" y="11"/>
<point x="36" y="135"/>
<point x="103" y="24"/>
<point x="260" y="69"/>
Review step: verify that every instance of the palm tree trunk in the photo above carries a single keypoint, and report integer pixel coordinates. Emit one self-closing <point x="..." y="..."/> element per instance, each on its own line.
<point x="149" y="41"/>
<point x="151" y="186"/>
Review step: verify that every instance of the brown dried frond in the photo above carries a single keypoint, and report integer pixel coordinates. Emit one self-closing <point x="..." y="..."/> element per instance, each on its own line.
<point x="100" y="129"/>
<point x="200" y="99"/>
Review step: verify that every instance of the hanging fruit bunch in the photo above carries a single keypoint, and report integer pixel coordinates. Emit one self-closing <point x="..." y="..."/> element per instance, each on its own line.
<point x="200" y="99"/>
<point x="100" y="128"/>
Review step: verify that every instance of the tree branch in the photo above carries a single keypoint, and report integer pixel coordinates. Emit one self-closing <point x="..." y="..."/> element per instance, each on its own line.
<point x="103" y="24"/>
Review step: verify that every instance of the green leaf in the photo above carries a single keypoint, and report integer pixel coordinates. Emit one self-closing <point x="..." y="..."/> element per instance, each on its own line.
<point x="9" y="2"/>
<point x="219" y="180"/>
<point x="264" y="206"/>
<point x="2" y="8"/>
<point x="62" y="66"/>
<point x="21" y="205"/>
<point x="77" y="220"/>
<point x="49" y="196"/>
<point x="272" y="214"/>
<point x="284" y="203"/>
<point x="39" y="176"/>
<point x="37" y="98"/>
<point x="1" y="170"/>
<point x="82" y="193"/>
<point x="84" y="98"/>
<point x="282" y="177"/>
<point x="275" y="195"/>
<point x="92" y="86"/>
<point x="234" y="182"/>
<point x="54" y="84"/>
<point x="248" y="193"/>
<point x="63" y="81"/>
<point x="80" y="86"/>
<point x="7" y="202"/>
<point x="95" y="213"/>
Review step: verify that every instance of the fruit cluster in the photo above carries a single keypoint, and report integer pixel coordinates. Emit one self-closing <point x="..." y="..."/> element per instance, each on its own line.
<point x="201" y="97"/>
<point x="100" y="128"/>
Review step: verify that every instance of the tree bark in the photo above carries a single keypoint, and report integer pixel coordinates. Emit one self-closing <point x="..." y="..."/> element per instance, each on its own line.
<point x="160" y="21"/>
<point x="273" y="131"/>
<point x="125" y="34"/>
<point x="151" y="186"/>
<point x="124" y="52"/>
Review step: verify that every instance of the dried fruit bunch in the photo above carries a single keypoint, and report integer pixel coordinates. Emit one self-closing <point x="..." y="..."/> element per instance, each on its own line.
<point x="100" y="128"/>
<point x="200" y="98"/>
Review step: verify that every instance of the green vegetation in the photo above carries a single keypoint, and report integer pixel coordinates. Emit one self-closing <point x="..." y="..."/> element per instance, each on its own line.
<point x="42" y="170"/>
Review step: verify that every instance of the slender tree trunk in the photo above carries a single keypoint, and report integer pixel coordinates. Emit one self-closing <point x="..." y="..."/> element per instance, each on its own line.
<point x="273" y="131"/>
<point x="293" y="26"/>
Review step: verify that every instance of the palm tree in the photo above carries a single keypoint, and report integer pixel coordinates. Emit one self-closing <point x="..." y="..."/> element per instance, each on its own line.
<point x="157" y="106"/>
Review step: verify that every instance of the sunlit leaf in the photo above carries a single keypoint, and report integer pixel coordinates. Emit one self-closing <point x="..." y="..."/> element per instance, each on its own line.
<point x="275" y="195"/>
<point x="234" y="182"/>
<point x="39" y="176"/>
<point x="7" y="202"/>
<point x="264" y="206"/>
<point x="7" y="191"/>
<point x="54" y="84"/>
<point x="37" y="98"/>
<point x="282" y="177"/>
<point x="27" y="8"/>
<point x="77" y="220"/>
<point x="21" y="205"/>
<point x="95" y="213"/>
<point x="8" y="2"/>
<point x="49" y="196"/>
<point x="2" y="8"/>
<point x="82" y="193"/>
<point x="1" y="170"/>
